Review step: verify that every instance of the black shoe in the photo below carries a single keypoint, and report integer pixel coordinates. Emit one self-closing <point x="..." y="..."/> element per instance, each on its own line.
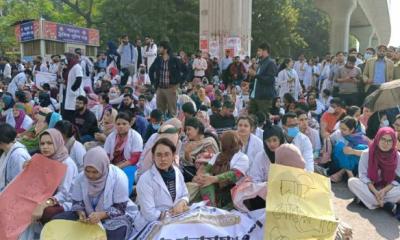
<point x="397" y="213"/>
<point x="389" y="207"/>
<point x="359" y="202"/>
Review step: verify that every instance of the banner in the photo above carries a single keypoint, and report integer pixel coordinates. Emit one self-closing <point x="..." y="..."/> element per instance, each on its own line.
<point x="214" y="48"/>
<point x="34" y="185"/>
<point x="233" y="44"/>
<point x="49" y="30"/>
<point x="27" y="31"/>
<point x="45" y="77"/>
<point x="67" y="230"/>
<point x="299" y="205"/>
<point x="203" y="222"/>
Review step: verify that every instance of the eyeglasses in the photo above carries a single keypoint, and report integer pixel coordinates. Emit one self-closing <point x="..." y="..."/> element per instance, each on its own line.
<point x="386" y="140"/>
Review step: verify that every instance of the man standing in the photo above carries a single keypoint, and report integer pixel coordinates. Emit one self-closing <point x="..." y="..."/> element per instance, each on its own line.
<point x="378" y="70"/>
<point x="264" y="86"/>
<point x="396" y="61"/>
<point x="129" y="55"/>
<point x="237" y="71"/>
<point x="85" y="120"/>
<point x="166" y="75"/>
<point x="339" y="59"/>
<point x="87" y="67"/>
<point x="6" y="70"/>
<point x="347" y="79"/>
<point x="149" y="52"/>
<point x="293" y="135"/>
<point x="225" y="63"/>
<point x="199" y="65"/>
<point x="139" y="49"/>
<point x="300" y="67"/>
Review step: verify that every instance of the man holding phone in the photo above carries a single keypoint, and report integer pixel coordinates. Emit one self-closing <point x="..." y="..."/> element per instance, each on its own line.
<point x="347" y="79"/>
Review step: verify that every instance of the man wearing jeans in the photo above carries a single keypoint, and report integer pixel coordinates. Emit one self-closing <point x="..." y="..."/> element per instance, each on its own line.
<point x="166" y="75"/>
<point x="264" y="86"/>
<point x="129" y="55"/>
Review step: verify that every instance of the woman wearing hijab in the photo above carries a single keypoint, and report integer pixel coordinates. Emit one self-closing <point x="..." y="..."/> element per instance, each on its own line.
<point x="222" y="172"/>
<point x="52" y="147"/>
<point x="106" y="126"/>
<point x="6" y="105"/>
<point x="100" y="195"/>
<point x="379" y="169"/>
<point x="161" y="190"/>
<point x="273" y="137"/>
<point x="31" y="137"/>
<point x="19" y="119"/>
<point x="75" y="149"/>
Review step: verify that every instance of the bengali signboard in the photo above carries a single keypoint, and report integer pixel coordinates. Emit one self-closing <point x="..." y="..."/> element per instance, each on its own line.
<point x="68" y="33"/>
<point x="57" y="32"/>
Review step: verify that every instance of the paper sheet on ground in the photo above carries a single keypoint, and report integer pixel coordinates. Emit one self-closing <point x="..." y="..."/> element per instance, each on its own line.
<point x="67" y="230"/>
<point x="34" y="185"/>
<point x="299" y="205"/>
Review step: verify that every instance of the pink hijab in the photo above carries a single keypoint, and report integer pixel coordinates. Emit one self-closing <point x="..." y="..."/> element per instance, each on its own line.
<point x="61" y="152"/>
<point x="289" y="155"/>
<point x="98" y="159"/>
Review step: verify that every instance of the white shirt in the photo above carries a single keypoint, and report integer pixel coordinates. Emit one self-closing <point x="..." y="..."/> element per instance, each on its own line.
<point x="300" y="68"/>
<point x="303" y="143"/>
<point x="258" y="171"/>
<point x="77" y="153"/>
<point x="7" y="71"/>
<point x="70" y="96"/>
<point x="17" y="83"/>
<point x="284" y="86"/>
<point x="199" y="67"/>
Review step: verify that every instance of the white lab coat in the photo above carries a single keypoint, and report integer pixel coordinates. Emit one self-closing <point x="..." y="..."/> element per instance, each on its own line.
<point x="77" y="153"/>
<point x="7" y="71"/>
<point x="134" y="144"/>
<point x="258" y="171"/>
<point x="300" y="68"/>
<point x="303" y="143"/>
<point x="239" y="162"/>
<point x="283" y="86"/>
<point x="153" y="195"/>
<point x="149" y="52"/>
<point x="63" y="194"/>
<point x="17" y="83"/>
<point x="26" y="123"/>
<point x="70" y="96"/>
<point x="255" y="145"/>
<point x="11" y="163"/>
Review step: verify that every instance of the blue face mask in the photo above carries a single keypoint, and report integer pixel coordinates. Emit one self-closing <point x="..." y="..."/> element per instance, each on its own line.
<point x="155" y="126"/>
<point x="293" y="131"/>
<point x="386" y="123"/>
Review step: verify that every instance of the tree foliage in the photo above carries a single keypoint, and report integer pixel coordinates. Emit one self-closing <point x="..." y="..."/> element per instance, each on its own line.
<point x="290" y="26"/>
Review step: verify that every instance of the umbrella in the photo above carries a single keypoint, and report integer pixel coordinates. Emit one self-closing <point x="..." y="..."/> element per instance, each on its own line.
<point x="385" y="97"/>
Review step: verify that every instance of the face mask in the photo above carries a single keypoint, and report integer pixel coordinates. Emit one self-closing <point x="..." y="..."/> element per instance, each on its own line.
<point x="385" y="123"/>
<point x="331" y="110"/>
<point x="142" y="71"/>
<point x="156" y="126"/>
<point x="293" y="131"/>
<point x="367" y="56"/>
<point x="113" y="94"/>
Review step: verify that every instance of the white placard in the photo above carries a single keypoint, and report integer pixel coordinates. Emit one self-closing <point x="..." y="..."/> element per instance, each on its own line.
<point x="45" y="77"/>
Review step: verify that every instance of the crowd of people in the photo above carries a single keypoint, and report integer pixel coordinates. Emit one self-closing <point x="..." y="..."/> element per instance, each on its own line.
<point x="145" y="132"/>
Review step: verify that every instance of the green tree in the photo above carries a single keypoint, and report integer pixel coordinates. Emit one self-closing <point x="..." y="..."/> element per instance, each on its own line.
<point x="174" y="20"/>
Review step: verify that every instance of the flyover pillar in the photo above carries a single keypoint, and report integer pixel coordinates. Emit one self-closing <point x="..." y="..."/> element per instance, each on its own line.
<point x="339" y="12"/>
<point x="225" y="24"/>
<point x="364" y="36"/>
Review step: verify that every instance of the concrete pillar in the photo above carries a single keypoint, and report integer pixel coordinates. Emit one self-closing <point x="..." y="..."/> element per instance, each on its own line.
<point x="339" y="12"/>
<point x="221" y="19"/>
<point x="374" y="41"/>
<point x="363" y="35"/>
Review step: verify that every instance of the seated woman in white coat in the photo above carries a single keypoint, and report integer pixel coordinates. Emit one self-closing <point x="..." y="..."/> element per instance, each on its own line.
<point x="19" y="119"/>
<point x="13" y="156"/>
<point x="100" y="194"/>
<point x="273" y="138"/>
<point x="161" y="190"/>
<point x="251" y="144"/>
<point x="379" y="170"/>
<point x="75" y="149"/>
<point x="52" y="147"/>
<point x="124" y="146"/>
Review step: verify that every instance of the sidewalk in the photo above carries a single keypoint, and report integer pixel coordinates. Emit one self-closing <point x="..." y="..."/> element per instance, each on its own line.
<point x="366" y="224"/>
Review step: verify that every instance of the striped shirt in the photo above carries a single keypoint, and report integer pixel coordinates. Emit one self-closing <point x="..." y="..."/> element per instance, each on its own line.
<point x="164" y="75"/>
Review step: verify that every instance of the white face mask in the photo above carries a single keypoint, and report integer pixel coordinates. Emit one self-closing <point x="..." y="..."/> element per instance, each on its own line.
<point x="331" y="110"/>
<point x="385" y="123"/>
<point x="367" y="56"/>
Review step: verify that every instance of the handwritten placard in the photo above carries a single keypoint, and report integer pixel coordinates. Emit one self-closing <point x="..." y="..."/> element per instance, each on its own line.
<point x="66" y="230"/>
<point x="34" y="185"/>
<point x="45" y="77"/>
<point x="299" y="205"/>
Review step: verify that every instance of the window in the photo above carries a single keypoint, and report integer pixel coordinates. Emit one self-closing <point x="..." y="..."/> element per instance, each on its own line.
<point x="91" y="51"/>
<point x="53" y="47"/>
<point x="32" y="48"/>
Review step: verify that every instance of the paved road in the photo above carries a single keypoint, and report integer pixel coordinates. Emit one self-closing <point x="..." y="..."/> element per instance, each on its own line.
<point x="366" y="224"/>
